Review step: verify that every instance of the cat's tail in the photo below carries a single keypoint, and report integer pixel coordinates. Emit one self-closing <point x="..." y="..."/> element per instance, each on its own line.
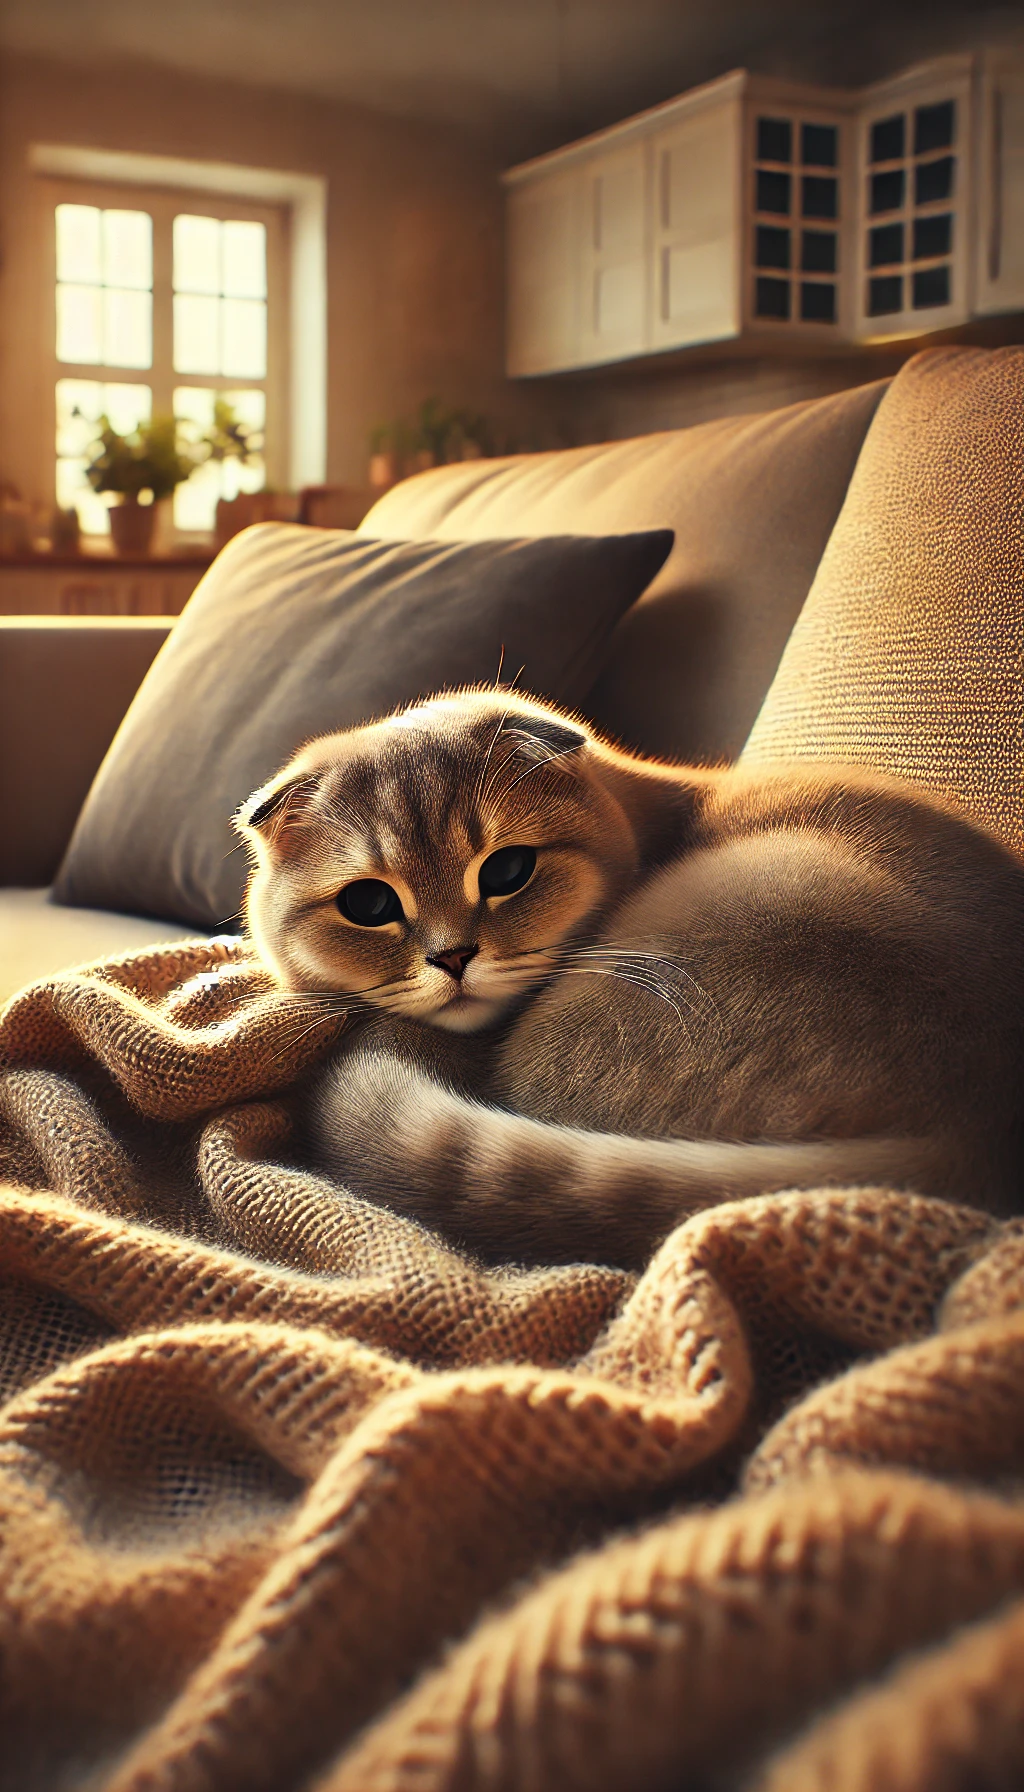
<point x="518" y="1190"/>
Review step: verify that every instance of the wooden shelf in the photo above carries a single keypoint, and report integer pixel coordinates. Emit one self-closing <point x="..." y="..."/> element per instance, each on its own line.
<point x="99" y="584"/>
<point x="100" y="560"/>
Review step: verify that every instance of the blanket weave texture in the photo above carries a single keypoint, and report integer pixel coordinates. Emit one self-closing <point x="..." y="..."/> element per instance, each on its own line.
<point x="294" y="1495"/>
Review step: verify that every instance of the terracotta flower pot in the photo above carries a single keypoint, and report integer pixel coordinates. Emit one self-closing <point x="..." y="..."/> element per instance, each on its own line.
<point x="132" y="525"/>
<point x="383" y="470"/>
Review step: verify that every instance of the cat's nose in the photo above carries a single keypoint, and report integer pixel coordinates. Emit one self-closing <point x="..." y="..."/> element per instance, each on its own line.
<point x="455" y="961"/>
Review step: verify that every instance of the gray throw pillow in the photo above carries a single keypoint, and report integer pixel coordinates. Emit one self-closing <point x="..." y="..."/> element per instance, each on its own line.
<point x="295" y="632"/>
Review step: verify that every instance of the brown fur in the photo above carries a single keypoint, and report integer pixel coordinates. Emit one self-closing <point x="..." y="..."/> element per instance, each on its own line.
<point x="716" y="984"/>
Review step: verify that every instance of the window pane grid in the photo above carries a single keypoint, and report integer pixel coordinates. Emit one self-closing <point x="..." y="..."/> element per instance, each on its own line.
<point x="220" y="297"/>
<point x="796" y="199"/>
<point x="104" y="286"/>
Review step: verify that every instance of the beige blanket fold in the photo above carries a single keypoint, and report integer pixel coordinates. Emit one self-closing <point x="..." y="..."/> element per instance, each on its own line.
<point x="295" y="1495"/>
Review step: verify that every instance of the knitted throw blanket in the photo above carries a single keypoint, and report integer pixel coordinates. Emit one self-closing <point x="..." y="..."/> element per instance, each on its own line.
<point x="292" y="1495"/>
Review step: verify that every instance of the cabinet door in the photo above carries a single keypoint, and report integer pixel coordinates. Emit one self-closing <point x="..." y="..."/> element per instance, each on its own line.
<point x="543" y="297"/>
<point x="1000" y="264"/>
<point x="798" y="232"/>
<point x="914" y="250"/>
<point x="696" y="226"/>
<point x="614" y="260"/>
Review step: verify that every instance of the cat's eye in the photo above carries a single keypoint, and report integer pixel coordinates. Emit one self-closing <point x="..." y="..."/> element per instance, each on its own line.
<point x="507" y="870"/>
<point x="370" y="903"/>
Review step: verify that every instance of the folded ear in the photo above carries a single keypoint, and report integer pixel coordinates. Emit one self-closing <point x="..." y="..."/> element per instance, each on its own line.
<point x="547" y="737"/>
<point x="278" y="808"/>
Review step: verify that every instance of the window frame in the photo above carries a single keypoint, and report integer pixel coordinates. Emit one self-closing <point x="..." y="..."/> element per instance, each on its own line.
<point x="164" y="204"/>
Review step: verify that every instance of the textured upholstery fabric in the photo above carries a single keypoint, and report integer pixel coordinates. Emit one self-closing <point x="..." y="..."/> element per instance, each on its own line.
<point x="752" y="501"/>
<point x="296" y="632"/>
<point x="65" y="683"/>
<point x="909" y="651"/>
<point x="267" y="1452"/>
<point x="39" y="937"/>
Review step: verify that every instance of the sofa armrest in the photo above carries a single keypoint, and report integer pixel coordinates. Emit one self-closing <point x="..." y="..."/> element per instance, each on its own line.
<point x="65" y="683"/>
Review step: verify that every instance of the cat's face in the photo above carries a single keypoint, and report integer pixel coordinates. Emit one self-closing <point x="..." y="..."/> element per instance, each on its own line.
<point x="434" y="864"/>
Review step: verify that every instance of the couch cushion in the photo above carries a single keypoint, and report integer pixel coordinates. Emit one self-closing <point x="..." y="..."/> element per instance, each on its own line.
<point x="908" y="653"/>
<point x="65" y="683"/>
<point x="752" y="501"/>
<point x="38" y="938"/>
<point x="295" y="632"/>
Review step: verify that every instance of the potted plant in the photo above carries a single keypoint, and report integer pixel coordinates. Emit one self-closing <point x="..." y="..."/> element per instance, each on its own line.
<point x="228" y="438"/>
<point x="148" y="461"/>
<point x="383" y="467"/>
<point x="431" y="433"/>
<point x="440" y="435"/>
<point x="154" y="460"/>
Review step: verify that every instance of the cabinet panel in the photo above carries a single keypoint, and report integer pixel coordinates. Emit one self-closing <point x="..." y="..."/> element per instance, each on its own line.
<point x="1000" y="269"/>
<point x="619" y="295"/>
<point x="543" y="266"/>
<point x="696" y="226"/>
<point x="614" y="257"/>
<point x="688" y="275"/>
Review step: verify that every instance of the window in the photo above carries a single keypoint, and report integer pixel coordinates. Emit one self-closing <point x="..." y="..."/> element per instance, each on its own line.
<point x="162" y="305"/>
<point x="796" y="200"/>
<point x="911" y="180"/>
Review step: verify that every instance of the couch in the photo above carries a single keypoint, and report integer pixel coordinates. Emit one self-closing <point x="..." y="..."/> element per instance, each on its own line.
<point x="294" y="1492"/>
<point x="759" y="505"/>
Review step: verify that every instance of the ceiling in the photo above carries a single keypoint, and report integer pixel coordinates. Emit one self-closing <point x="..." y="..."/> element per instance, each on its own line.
<point x="526" y="73"/>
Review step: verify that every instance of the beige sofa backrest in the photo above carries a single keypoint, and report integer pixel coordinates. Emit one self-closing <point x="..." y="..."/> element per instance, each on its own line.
<point x="65" y="683"/>
<point x="752" y="501"/>
<point x="908" y="656"/>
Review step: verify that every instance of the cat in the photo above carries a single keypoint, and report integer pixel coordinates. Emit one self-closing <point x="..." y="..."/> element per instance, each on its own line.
<point x="591" y="994"/>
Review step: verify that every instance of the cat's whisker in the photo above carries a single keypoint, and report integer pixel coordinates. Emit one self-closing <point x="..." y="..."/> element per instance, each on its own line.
<point x="645" y="988"/>
<point x="497" y="768"/>
<point x="631" y="963"/>
<point x="291" y="1037"/>
<point x="680" y="966"/>
<point x="544" y="758"/>
<point x="313" y="1007"/>
<point x="580" y="970"/>
<point x="552" y="759"/>
<point x="650" y="960"/>
<point x="659" y="990"/>
<point x="478" y="792"/>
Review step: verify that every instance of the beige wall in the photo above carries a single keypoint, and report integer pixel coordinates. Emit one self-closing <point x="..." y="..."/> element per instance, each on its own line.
<point x="674" y="391"/>
<point x="414" y="233"/>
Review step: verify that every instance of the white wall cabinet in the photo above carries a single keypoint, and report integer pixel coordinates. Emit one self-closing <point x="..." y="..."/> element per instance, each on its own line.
<point x="1000" y="236"/>
<point x="758" y="210"/>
